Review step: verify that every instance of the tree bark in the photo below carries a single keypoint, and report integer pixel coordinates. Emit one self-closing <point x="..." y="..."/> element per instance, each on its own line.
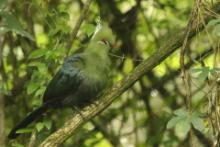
<point x="2" y="118"/>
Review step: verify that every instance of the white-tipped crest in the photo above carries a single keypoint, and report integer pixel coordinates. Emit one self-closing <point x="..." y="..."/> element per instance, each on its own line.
<point x="98" y="26"/>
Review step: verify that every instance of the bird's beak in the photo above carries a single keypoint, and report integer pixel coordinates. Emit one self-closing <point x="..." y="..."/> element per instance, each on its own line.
<point x="113" y="45"/>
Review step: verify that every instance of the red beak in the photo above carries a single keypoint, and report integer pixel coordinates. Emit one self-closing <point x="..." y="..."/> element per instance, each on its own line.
<point x="113" y="45"/>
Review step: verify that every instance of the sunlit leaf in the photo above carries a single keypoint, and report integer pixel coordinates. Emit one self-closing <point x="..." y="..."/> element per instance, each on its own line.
<point x="128" y="65"/>
<point x="182" y="127"/>
<point x="39" y="126"/>
<point x="42" y="39"/>
<point x="16" y="144"/>
<point x="61" y="7"/>
<point x="32" y="87"/>
<point x="88" y="29"/>
<point x="173" y="121"/>
<point x="24" y="130"/>
<point x="41" y="66"/>
<point x="40" y="91"/>
<point x="47" y="123"/>
<point x="36" y="102"/>
<point x="38" y="53"/>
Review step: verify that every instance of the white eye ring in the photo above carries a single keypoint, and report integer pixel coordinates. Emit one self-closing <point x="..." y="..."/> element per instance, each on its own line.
<point x="103" y="42"/>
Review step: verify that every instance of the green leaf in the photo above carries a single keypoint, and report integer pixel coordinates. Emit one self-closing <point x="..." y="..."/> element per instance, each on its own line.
<point x="40" y="91"/>
<point x="203" y="72"/>
<point x="12" y="24"/>
<point x="26" y="34"/>
<point x="173" y="121"/>
<point x="197" y="123"/>
<point x="213" y="22"/>
<point x="36" y="102"/>
<point x="214" y="73"/>
<point x="182" y="127"/>
<point x="47" y="123"/>
<point x="128" y="65"/>
<point x="195" y="70"/>
<point x="32" y="87"/>
<point x="181" y="112"/>
<point x="39" y="126"/>
<point x="88" y="29"/>
<point x="38" y="53"/>
<point x="41" y="66"/>
<point x="62" y="8"/>
<point x="216" y="30"/>
<point x="24" y="130"/>
<point x="15" y="144"/>
<point x="203" y="76"/>
<point x="201" y="69"/>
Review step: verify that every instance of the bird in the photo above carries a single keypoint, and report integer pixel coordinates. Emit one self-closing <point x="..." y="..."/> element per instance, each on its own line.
<point x="79" y="80"/>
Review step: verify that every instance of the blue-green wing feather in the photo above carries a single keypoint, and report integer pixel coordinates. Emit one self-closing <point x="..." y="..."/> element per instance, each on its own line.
<point x="66" y="81"/>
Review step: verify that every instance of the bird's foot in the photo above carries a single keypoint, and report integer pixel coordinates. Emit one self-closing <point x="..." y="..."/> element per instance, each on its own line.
<point x="79" y="112"/>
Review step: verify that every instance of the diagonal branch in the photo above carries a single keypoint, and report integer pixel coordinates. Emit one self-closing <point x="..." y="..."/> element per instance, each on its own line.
<point x="112" y="93"/>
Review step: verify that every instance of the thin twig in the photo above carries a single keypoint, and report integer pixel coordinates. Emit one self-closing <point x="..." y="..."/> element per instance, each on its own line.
<point x="77" y="26"/>
<point x="123" y="57"/>
<point x="185" y="75"/>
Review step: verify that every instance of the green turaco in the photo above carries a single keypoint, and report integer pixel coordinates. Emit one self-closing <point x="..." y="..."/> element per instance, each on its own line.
<point x="80" y="79"/>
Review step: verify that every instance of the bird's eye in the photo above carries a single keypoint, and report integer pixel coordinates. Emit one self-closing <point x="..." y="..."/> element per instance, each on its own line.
<point x="103" y="41"/>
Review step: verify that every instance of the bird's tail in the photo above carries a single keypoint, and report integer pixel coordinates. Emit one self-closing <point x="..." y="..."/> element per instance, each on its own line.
<point x="25" y="122"/>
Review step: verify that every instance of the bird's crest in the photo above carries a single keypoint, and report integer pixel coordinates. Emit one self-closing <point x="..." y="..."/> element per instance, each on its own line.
<point x="103" y="33"/>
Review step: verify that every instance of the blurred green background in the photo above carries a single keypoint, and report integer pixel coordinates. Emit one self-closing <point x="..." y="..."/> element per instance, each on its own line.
<point x="33" y="40"/>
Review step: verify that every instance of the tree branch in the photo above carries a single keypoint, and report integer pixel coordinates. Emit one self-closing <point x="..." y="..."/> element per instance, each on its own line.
<point x="78" y="24"/>
<point x="32" y="142"/>
<point x="112" y="93"/>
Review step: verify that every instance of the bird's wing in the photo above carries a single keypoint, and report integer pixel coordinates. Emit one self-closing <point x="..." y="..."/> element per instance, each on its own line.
<point x="66" y="80"/>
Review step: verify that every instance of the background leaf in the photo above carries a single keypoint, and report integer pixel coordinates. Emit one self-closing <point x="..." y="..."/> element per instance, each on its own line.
<point x="12" y="24"/>
<point x="38" y="53"/>
<point x="39" y="126"/>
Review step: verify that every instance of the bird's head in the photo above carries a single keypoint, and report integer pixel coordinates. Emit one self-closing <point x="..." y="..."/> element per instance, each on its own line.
<point x="104" y="35"/>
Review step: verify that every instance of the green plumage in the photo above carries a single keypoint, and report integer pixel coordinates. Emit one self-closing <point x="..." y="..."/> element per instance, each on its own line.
<point x="79" y="80"/>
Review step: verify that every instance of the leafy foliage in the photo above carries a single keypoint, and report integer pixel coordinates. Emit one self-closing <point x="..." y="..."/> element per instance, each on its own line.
<point x="183" y="120"/>
<point x="10" y="23"/>
<point x="33" y="39"/>
<point x="206" y="72"/>
<point x="216" y="24"/>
